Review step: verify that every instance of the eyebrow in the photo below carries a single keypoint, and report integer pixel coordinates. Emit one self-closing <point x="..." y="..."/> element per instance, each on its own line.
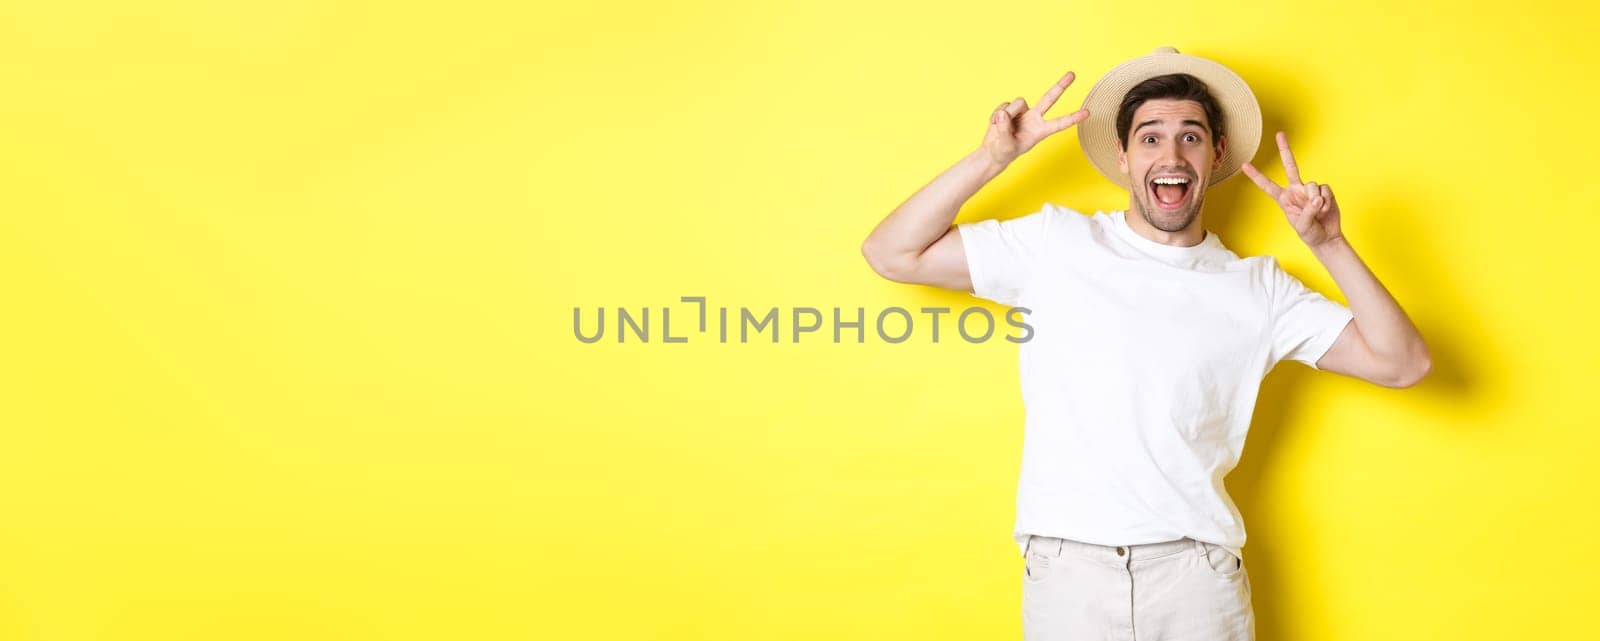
<point x="1196" y="123"/>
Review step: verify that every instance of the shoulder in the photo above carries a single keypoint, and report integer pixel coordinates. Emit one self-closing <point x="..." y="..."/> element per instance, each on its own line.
<point x="1063" y="223"/>
<point x="1280" y="286"/>
<point x="1264" y="266"/>
<point x="1062" y="214"/>
<point x="1270" y="269"/>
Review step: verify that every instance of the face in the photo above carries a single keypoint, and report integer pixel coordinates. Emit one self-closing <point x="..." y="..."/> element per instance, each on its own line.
<point x="1170" y="141"/>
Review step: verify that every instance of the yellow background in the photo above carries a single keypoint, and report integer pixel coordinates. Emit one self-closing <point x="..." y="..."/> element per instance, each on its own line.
<point x="288" y="294"/>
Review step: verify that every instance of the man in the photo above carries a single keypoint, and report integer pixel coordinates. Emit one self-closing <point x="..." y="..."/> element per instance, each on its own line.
<point x="1150" y="342"/>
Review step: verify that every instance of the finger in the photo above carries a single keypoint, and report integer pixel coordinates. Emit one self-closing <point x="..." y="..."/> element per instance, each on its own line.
<point x="1049" y="99"/>
<point x="1001" y="119"/>
<point x="1016" y="107"/>
<point x="1262" y="181"/>
<point x="1291" y="169"/>
<point x="1068" y="120"/>
<point x="1324" y="199"/>
<point x="1290" y="207"/>
<point x="1311" y="191"/>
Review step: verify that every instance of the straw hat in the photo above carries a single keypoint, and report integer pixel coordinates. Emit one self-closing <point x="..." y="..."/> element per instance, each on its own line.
<point x="1241" y="114"/>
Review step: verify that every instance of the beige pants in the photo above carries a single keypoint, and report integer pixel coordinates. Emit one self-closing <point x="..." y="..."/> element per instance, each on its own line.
<point x="1179" y="590"/>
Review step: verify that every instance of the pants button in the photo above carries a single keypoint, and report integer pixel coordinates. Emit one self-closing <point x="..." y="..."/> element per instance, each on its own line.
<point x="1119" y="552"/>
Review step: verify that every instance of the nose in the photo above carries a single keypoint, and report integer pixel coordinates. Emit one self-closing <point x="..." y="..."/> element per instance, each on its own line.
<point x="1169" y="158"/>
<point x="1170" y="154"/>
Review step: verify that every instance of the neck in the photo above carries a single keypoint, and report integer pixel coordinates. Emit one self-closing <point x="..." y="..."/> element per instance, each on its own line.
<point x="1189" y="236"/>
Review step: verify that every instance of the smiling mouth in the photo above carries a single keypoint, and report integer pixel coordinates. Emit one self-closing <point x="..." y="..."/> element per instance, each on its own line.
<point x="1170" y="192"/>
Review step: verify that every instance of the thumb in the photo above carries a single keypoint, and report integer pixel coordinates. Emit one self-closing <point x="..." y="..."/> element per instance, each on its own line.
<point x="1001" y="119"/>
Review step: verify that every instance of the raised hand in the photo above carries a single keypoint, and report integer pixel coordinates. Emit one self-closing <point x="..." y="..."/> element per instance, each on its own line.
<point x="1014" y="128"/>
<point x="1311" y="208"/>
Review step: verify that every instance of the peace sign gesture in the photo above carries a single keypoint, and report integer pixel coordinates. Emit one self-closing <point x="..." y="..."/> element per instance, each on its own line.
<point x="1014" y="128"/>
<point x="1311" y="208"/>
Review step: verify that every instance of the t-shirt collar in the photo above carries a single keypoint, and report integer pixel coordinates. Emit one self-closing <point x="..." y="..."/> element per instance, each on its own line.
<point x="1210" y="243"/>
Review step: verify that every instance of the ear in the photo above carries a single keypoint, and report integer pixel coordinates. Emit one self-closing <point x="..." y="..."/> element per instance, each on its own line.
<point x="1122" y="157"/>
<point x="1222" y="148"/>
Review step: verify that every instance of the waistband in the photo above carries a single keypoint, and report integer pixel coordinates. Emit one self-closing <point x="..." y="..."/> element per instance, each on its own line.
<point x="1112" y="555"/>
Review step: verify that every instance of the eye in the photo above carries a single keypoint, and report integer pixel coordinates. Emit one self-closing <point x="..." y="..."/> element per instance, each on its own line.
<point x="1191" y="138"/>
<point x="1149" y="139"/>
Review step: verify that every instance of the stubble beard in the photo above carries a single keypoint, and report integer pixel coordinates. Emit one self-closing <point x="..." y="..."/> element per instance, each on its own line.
<point x="1164" y="221"/>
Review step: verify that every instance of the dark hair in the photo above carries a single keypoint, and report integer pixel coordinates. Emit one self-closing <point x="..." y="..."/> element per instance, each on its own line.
<point x="1179" y="86"/>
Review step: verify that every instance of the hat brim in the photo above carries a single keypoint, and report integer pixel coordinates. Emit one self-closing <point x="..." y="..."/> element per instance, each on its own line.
<point x="1241" y="114"/>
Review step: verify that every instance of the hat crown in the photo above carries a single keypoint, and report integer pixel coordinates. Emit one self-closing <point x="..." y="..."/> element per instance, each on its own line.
<point x="1240" y="111"/>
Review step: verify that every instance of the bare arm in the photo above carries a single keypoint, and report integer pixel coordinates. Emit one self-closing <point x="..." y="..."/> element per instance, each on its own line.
<point x="916" y="243"/>
<point x="1381" y="345"/>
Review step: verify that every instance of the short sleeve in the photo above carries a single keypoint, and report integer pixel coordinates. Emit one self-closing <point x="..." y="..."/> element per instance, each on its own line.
<point x="1002" y="254"/>
<point x="1304" y="322"/>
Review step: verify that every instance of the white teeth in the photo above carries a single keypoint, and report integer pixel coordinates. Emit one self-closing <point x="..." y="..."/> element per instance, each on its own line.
<point x="1171" y="181"/>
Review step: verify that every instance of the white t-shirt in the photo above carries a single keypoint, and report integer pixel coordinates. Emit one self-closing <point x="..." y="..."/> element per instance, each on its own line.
<point x="1142" y="372"/>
